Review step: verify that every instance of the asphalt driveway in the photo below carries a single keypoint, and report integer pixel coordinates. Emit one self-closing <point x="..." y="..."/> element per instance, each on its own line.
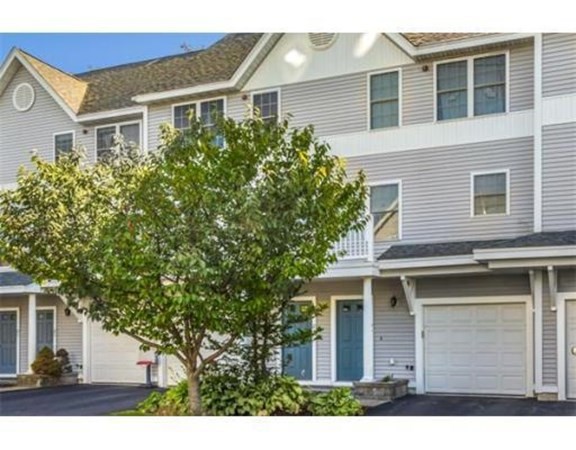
<point x="78" y="400"/>
<point x="435" y="405"/>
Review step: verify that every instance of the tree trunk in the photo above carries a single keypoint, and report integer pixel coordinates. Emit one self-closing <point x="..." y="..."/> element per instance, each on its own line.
<point x="194" y="393"/>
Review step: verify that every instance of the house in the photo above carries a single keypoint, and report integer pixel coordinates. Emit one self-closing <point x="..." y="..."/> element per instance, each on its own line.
<point x="464" y="281"/>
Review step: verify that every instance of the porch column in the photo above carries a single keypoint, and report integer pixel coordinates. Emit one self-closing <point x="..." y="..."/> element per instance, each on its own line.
<point x="86" y="350"/>
<point x="368" y="300"/>
<point x="31" y="330"/>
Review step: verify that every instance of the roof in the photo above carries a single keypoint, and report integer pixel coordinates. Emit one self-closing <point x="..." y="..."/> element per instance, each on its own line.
<point x="420" y="39"/>
<point x="439" y="249"/>
<point x="14" y="279"/>
<point x="113" y="87"/>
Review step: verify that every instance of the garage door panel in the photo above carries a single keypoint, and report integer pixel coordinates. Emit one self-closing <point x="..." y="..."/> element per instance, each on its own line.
<point x="571" y="342"/>
<point x="487" y="356"/>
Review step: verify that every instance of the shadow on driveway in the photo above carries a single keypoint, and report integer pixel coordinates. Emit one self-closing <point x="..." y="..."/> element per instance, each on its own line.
<point x="436" y="405"/>
<point x="78" y="400"/>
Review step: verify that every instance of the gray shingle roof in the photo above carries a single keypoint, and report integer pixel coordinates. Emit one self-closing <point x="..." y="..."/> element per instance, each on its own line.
<point x="420" y="39"/>
<point x="14" y="279"/>
<point x="545" y="239"/>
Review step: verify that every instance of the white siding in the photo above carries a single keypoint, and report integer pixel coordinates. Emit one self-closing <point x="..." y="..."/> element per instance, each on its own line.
<point x="417" y="94"/>
<point x="157" y="115"/>
<point x="522" y="78"/>
<point x="559" y="64"/>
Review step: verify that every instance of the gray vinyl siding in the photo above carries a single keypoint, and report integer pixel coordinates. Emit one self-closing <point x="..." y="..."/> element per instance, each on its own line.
<point x="522" y="78"/>
<point x="559" y="64"/>
<point x="417" y="95"/>
<point x="23" y="132"/>
<point x="236" y="108"/>
<point x="567" y="280"/>
<point x="436" y="189"/>
<point x="549" y="342"/>
<point x="334" y="106"/>
<point x="558" y="179"/>
<point x="473" y="286"/>
<point x="157" y="115"/>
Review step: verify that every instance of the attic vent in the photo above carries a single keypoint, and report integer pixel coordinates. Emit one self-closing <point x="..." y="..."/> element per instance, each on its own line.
<point x="321" y="41"/>
<point x="23" y="97"/>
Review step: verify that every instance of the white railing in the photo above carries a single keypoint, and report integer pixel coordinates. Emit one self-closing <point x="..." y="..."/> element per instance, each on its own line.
<point x="357" y="244"/>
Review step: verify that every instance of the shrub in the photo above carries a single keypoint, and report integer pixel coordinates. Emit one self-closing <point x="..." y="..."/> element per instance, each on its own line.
<point x="46" y="364"/>
<point x="64" y="360"/>
<point x="337" y="402"/>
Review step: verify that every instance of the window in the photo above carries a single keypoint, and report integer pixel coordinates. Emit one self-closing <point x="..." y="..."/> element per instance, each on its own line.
<point x="106" y="137"/>
<point x="267" y="104"/>
<point x="385" y="210"/>
<point x="209" y="112"/>
<point x="384" y="100"/>
<point x="471" y="87"/>
<point x="490" y="193"/>
<point x="63" y="143"/>
<point x="182" y="115"/>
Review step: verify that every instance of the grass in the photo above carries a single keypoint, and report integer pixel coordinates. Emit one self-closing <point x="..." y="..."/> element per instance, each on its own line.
<point x="128" y="412"/>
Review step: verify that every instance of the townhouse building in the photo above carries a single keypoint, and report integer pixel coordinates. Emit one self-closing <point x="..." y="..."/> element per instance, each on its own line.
<point x="464" y="280"/>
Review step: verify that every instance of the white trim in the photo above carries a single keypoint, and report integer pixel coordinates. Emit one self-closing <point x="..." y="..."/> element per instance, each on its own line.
<point x="532" y="263"/>
<point x="32" y="305"/>
<point x="557" y="110"/>
<point x="561" y="340"/>
<point x="363" y="269"/>
<point x="435" y="271"/>
<point x="378" y="183"/>
<point x="409" y="286"/>
<point x="420" y="303"/>
<point x="16" y="89"/>
<point x="524" y="252"/>
<point x="17" y="309"/>
<point x="433" y="261"/>
<point x="334" y="299"/>
<point x="54" y="325"/>
<point x="267" y="91"/>
<point x="309" y="298"/>
<point x="537" y="132"/>
<point x="473" y="196"/>
<point x="198" y="105"/>
<point x="72" y="132"/>
<point x="368" y="329"/>
<point x="86" y="350"/>
<point x="145" y="131"/>
<point x="538" y="327"/>
<point x="470" y="83"/>
<point x="111" y="114"/>
<point x="117" y="125"/>
<point x="369" y="76"/>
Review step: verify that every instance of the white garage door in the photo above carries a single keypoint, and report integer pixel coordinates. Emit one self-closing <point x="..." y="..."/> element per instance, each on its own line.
<point x="114" y="358"/>
<point x="571" y="344"/>
<point x="475" y="349"/>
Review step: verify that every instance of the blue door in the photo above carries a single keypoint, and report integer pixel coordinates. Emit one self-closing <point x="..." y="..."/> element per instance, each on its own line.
<point x="44" y="329"/>
<point x="349" y="340"/>
<point x="298" y="359"/>
<point x="8" y="331"/>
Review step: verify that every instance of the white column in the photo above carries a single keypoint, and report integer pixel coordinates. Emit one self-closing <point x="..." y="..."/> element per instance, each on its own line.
<point x="538" y="132"/>
<point x="368" y="309"/>
<point x="538" y="312"/>
<point x="86" y="350"/>
<point x="162" y="371"/>
<point x="31" y="330"/>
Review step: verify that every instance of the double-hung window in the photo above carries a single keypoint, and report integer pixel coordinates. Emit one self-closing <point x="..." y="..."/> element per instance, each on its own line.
<point x="106" y="137"/>
<point x="474" y="86"/>
<point x="266" y="103"/>
<point x="63" y="144"/>
<point x="490" y="193"/>
<point x="384" y="100"/>
<point x="209" y="112"/>
<point x="385" y="210"/>
<point x="182" y="115"/>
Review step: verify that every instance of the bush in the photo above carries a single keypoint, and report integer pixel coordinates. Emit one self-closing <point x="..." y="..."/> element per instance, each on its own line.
<point x="63" y="359"/>
<point x="337" y="402"/>
<point x="46" y="364"/>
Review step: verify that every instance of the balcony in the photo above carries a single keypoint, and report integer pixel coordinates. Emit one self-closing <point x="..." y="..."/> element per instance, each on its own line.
<point x="357" y="244"/>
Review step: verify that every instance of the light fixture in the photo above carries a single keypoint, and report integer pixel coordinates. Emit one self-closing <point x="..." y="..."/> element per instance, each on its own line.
<point x="67" y="311"/>
<point x="393" y="301"/>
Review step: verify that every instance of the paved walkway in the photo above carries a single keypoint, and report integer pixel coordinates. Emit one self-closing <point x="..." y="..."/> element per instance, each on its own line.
<point x="435" y="405"/>
<point x="78" y="400"/>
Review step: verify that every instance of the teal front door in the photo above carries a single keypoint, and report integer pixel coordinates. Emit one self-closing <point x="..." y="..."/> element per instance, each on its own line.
<point x="8" y="334"/>
<point x="44" y="329"/>
<point x="349" y="340"/>
<point x="297" y="359"/>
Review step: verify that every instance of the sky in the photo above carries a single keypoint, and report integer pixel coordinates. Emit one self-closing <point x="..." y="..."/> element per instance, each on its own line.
<point x="80" y="52"/>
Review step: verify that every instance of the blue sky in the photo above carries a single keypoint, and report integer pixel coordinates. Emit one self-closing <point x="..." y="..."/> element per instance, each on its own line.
<point x="80" y="52"/>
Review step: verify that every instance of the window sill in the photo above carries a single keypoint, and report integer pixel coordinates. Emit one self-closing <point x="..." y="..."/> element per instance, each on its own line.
<point x="460" y="119"/>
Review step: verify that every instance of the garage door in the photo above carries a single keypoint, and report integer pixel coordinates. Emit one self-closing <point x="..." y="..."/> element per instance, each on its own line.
<point x="114" y="358"/>
<point x="571" y="341"/>
<point x="475" y="349"/>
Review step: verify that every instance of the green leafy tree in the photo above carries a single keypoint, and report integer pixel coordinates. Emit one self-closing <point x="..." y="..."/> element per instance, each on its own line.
<point x="182" y="247"/>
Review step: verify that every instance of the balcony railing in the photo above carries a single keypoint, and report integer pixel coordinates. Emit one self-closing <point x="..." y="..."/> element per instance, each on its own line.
<point x="357" y="244"/>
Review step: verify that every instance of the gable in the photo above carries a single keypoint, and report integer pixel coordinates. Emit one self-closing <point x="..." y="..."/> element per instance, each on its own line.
<point x="293" y="59"/>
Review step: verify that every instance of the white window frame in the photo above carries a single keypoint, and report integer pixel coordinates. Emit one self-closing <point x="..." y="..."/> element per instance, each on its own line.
<point x="197" y="104"/>
<point x="266" y="91"/>
<point x="470" y="84"/>
<point x="18" y="329"/>
<point x="400" y="206"/>
<point x="369" y="102"/>
<point x="490" y="172"/>
<point x="117" y="125"/>
<point x="54" y="326"/>
<point x="61" y="133"/>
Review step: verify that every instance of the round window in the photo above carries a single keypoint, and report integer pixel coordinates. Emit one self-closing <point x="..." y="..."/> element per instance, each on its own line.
<point x="23" y="97"/>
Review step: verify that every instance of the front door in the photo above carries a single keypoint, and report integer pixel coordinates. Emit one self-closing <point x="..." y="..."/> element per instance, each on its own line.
<point x="44" y="329"/>
<point x="349" y="340"/>
<point x="571" y="348"/>
<point x="8" y="334"/>
<point x="298" y="358"/>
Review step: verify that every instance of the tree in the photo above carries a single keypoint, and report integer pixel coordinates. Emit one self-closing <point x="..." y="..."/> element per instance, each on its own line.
<point x="182" y="247"/>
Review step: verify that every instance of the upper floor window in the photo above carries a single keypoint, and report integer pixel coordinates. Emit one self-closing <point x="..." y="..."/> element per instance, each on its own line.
<point x="209" y="110"/>
<point x="63" y="144"/>
<point x="471" y="87"/>
<point x="267" y="104"/>
<point x="106" y="137"/>
<point x="385" y="210"/>
<point x="182" y="115"/>
<point x="384" y="100"/>
<point x="490" y="193"/>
